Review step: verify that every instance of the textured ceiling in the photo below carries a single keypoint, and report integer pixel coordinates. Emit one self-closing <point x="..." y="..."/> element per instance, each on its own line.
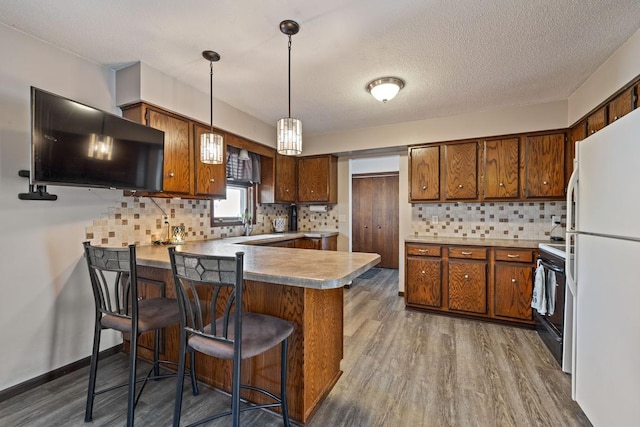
<point x="456" y="56"/>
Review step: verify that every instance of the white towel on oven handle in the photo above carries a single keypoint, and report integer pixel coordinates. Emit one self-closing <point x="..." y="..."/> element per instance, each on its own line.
<point x="539" y="297"/>
<point x="550" y="286"/>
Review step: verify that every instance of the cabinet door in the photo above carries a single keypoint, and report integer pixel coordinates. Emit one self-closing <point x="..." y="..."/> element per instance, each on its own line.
<point x="621" y="105"/>
<point x="285" y="179"/>
<point x="423" y="286"/>
<point x="545" y="165"/>
<point x="308" y="243"/>
<point x="500" y="165"/>
<point x="211" y="180"/>
<point x="597" y="121"/>
<point x="513" y="288"/>
<point x="283" y="244"/>
<point x="461" y="171"/>
<point x="178" y="155"/>
<point x="317" y="176"/>
<point x="424" y="169"/>
<point x="312" y="179"/>
<point x="468" y="286"/>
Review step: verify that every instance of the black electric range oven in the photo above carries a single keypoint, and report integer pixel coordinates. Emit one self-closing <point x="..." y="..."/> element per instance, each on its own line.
<point x="554" y="329"/>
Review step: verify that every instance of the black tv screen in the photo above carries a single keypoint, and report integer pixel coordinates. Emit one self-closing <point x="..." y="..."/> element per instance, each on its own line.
<point x="77" y="145"/>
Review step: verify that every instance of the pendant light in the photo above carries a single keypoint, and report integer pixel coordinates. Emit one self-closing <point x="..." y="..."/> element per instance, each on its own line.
<point x="211" y="144"/>
<point x="289" y="130"/>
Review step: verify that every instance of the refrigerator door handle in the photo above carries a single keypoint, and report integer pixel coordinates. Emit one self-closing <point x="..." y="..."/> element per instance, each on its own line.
<point x="571" y="190"/>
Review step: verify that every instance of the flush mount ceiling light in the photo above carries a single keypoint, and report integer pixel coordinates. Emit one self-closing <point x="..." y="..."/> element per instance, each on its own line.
<point x="289" y="130"/>
<point x="211" y="144"/>
<point x="385" y="88"/>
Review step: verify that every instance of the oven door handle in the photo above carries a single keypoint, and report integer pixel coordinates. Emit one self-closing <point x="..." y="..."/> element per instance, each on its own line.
<point x="555" y="268"/>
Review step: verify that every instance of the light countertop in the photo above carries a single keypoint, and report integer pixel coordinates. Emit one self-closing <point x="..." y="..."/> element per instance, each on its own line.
<point x="286" y="266"/>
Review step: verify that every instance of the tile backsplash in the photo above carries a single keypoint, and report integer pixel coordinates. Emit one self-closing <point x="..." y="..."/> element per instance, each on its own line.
<point x="497" y="220"/>
<point x="138" y="220"/>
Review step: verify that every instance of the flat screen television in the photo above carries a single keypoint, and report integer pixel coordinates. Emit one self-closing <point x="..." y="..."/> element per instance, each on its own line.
<point x="77" y="145"/>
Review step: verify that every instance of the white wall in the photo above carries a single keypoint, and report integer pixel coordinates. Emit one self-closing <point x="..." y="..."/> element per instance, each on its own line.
<point x="487" y="123"/>
<point x="140" y="82"/>
<point x="46" y="309"/>
<point x="622" y="67"/>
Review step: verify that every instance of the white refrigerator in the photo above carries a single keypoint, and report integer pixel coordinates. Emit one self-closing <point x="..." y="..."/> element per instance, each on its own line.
<point x="603" y="225"/>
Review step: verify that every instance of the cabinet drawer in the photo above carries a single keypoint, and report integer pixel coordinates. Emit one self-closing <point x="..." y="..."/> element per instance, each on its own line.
<point x="468" y="253"/>
<point x="424" y="250"/>
<point x="515" y="255"/>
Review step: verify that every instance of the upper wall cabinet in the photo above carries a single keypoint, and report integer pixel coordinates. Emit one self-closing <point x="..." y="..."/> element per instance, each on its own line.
<point x="597" y="120"/>
<point x="318" y="179"/>
<point x="461" y="171"/>
<point x="178" y="178"/>
<point x="544" y="166"/>
<point x="621" y="105"/>
<point x="278" y="180"/>
<point x="424" y="174"/>
<point x="500" y="168"/>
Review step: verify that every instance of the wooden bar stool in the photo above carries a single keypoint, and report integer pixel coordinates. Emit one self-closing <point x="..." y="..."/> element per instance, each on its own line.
<point x="213" y="322"/>
<point x="115" y="290"/>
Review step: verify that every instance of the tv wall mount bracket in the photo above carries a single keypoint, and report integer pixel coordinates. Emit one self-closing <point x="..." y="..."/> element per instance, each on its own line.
<point x="36" y="192"/>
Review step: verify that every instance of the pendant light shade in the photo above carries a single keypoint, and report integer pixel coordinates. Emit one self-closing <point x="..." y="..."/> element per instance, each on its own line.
<point x="289" y="136"/>
<point x="211" y="144"/>
<point x="289" y="130"/>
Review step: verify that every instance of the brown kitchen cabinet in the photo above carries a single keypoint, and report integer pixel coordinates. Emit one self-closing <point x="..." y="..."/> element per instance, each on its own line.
<point x="479" y="282"/>
<point x="513" y="283"/>
<point x="467" y="280"/>
<point x="326" y="243"/>
<point x="178" y="175"/>
<point x="423" y="285"/>
<point x="500" y="168"/>
<point x="211" y="180"/>
<point x="424" y="174"/>
<point x="460" y="171"/>
<point x="318" y="179"/>
<point x="285" y="179"/>
<point x="597" y="120"/>
<point x="544" y="166"/>
<point x="621" y="105"/>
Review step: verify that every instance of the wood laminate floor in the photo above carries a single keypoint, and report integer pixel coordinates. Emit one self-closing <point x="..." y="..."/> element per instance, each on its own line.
<point x="401" y="368"/>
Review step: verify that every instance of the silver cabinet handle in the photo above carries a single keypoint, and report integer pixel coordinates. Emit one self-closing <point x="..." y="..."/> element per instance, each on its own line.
<point x="212" y="180"/>
<point x="545" y="182"/>
<point x="513" y="256"/>
<point x="615" y="118"/>
<point x="459" y="185"/>
<point x="424" y="187"/>
<point x="465" y="253"/>
<point x="513" y="280"/>
<point x="466" y="276"/>
<point x="501" y="184"/>
<point x="423" y="272"/>
<point x="171" y="174"/>
<point x="423" y="251"/>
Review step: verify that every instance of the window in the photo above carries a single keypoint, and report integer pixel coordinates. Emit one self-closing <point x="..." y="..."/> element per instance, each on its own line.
<point x="233" y="209"/>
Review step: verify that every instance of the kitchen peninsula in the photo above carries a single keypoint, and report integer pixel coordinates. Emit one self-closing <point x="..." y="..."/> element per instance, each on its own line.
<point x="302" y="286"/>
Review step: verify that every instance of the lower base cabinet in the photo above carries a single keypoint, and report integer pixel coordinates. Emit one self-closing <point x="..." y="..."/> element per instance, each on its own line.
<point x="426" y="276"/>
<point x="468" y="286"/>
<point x="492" y="283"/>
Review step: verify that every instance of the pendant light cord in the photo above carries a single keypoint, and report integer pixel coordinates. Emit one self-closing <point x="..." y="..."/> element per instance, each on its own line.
<point x="211" y="94"/>
<point x="289" y="75"/>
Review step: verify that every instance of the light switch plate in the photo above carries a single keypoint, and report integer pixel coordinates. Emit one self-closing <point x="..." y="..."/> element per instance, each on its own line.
<point x="434" y="219"/>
